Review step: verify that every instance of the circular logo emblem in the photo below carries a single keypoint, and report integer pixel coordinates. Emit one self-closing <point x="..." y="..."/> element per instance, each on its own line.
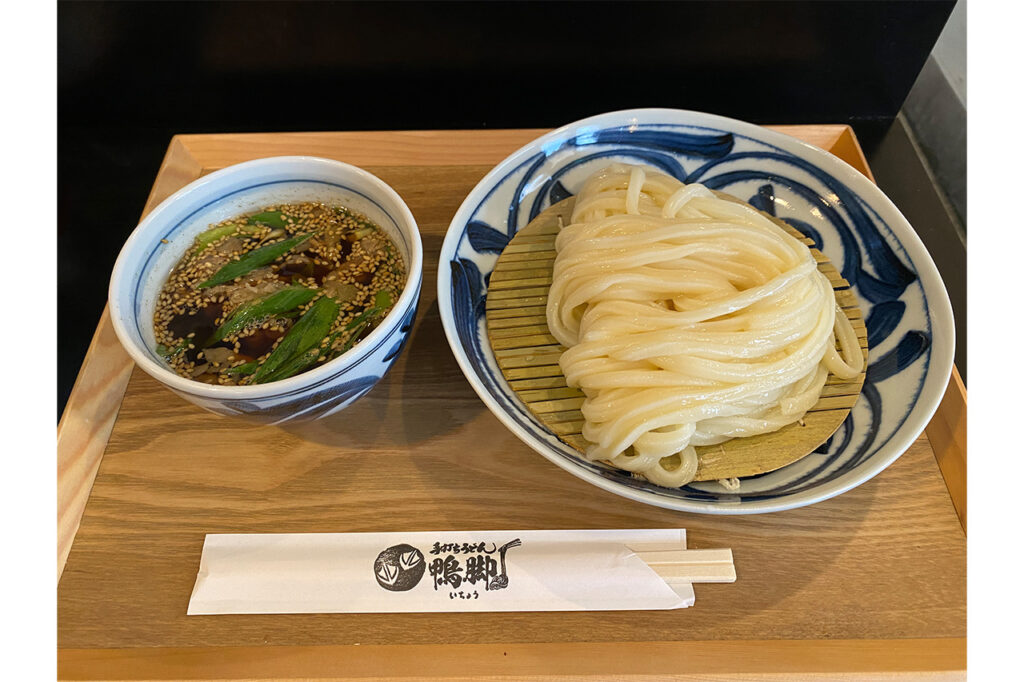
<point x="399" y="568"/>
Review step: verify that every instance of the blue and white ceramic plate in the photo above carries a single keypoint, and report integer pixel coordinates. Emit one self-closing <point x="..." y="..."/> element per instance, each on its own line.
<point x="908" y="315"/>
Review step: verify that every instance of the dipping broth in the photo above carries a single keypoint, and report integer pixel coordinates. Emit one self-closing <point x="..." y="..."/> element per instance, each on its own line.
<point x="263" y="297"/>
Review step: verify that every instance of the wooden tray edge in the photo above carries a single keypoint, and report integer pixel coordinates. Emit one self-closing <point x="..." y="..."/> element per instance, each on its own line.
<point x="947" y="435"/>
<point x="91" y="410"/>
<point x="707" y="660"/>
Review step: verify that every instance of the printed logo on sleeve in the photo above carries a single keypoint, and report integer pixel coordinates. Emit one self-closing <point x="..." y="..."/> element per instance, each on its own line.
<point x="461" y="569"/>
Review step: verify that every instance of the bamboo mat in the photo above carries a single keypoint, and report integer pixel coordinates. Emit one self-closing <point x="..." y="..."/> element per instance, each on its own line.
<point x="528" y="356"/>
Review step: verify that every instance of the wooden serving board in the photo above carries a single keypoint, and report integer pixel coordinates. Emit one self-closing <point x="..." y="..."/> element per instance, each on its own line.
<point x="528" y="355"/>
<point x="866" y="585"/>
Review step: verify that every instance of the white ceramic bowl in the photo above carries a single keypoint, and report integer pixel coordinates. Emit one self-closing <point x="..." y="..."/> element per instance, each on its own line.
<point x="165" y="234"/>
<point x="908" y="315"/>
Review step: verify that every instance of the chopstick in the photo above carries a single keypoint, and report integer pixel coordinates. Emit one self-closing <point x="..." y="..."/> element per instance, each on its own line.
<point x="676" y="566"/>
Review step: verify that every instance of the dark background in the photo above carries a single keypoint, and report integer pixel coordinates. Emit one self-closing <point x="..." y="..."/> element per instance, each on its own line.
<point x="132" y="74"/>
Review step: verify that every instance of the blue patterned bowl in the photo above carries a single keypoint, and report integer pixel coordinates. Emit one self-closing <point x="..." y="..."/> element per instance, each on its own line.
<point x="163" y="236"/>
<point x="908" y="315"/>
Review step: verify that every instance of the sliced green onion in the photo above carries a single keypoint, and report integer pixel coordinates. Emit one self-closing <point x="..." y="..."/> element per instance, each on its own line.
<point x="242" y="370"/>
<point x="304" y="337"/>
<point x="381" y="302"/>
<point x="271" y="218"/>
<point x="214" y="233"/>
<point x="362" y="317"/>
<point x="299" y="363"/>
<point x="354" y="335"/>
<point x="277" y="303"/>
<point x="254" y="259"/>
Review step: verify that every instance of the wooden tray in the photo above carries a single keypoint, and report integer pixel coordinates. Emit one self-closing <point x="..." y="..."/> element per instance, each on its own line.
<point x="870" y="582"/>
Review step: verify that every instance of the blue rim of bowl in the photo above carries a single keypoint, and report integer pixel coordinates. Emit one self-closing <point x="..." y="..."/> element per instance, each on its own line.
<point x="313" y="379"/>
<point x="488" y="385"/>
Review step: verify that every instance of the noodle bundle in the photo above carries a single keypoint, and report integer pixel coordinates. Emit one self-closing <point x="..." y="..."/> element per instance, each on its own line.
<point x="688" y="320"/>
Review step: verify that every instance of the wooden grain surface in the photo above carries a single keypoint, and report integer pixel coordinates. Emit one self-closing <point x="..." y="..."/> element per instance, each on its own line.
<point x="528" y="356"/>
<point x="885" y="561"/>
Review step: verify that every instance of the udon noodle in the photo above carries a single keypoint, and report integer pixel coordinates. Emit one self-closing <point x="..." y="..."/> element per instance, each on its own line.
<point x="688" y="320"/>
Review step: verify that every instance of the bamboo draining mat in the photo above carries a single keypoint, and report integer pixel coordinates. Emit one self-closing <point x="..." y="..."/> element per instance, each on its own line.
<point x="528" y="355"/>
<point x="421" y="452"/>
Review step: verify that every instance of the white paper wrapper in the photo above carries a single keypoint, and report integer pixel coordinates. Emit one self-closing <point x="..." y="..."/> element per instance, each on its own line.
<point x="536" y="570"/>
